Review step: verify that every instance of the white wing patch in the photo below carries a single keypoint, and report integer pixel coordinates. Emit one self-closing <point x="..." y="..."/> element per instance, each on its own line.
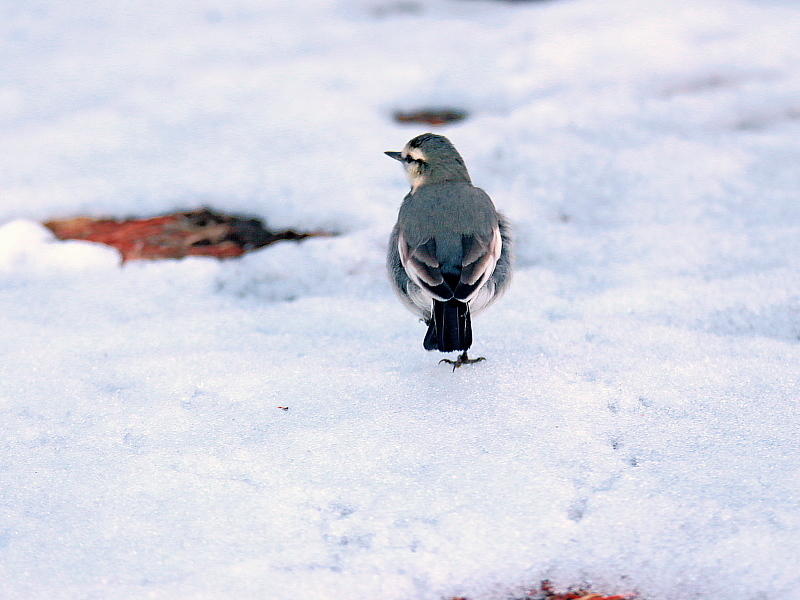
<point x="485" y="265"/>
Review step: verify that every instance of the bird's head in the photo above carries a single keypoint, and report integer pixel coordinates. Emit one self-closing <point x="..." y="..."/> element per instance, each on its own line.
<point x="431" y="158"/>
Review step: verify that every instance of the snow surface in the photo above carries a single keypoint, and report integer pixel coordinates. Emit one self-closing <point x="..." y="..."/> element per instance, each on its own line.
<point x="635" y="427"/>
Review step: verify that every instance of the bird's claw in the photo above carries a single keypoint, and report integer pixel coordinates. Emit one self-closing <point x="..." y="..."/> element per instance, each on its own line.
<point x="463" y="359"/>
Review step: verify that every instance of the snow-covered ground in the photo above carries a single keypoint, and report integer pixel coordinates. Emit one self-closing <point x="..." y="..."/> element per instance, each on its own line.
<point x="636" y="425"/>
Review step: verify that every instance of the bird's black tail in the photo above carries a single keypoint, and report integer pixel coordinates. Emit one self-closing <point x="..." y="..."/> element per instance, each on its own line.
<point x="450" y="327"/>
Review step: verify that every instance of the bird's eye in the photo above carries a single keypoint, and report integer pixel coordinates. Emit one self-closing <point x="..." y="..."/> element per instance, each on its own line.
<point x="409" y="159"/>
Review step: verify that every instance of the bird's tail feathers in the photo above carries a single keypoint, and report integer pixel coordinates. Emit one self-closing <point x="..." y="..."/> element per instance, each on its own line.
<point x="450" y="327"/>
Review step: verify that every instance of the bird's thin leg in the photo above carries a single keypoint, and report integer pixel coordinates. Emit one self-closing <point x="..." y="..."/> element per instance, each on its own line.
<point x="462" y="359"/>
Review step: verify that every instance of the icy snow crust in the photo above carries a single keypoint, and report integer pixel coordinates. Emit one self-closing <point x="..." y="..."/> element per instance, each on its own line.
<point x="635" y="426"/>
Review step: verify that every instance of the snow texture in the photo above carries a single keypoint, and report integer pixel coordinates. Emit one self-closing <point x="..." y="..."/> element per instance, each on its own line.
<point x="636" y="425"/>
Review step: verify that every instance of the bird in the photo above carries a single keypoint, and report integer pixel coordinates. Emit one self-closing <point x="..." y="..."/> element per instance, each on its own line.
<point x="450" y="251"/>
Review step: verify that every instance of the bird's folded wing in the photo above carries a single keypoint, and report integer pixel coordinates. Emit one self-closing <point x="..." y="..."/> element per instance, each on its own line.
<point x="423" y="267"/>
<point x="480" y="255"/>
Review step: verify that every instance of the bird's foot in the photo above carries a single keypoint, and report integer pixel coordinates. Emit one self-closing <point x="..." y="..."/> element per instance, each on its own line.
<point x="463" y="359"/>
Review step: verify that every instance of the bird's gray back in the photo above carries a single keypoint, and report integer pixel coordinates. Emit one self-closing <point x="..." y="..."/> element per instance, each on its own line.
<point x="445" y="211"/>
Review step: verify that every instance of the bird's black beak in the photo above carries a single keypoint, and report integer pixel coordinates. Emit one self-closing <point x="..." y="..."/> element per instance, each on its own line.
<point x="394" y="155"/>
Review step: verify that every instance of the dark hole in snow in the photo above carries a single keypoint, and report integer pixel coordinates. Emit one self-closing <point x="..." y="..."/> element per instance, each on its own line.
<point x="192" y="233"/>
<point x="397" y="8"/>
<point x="521" y="1"/>
<point x="546" y="591"/>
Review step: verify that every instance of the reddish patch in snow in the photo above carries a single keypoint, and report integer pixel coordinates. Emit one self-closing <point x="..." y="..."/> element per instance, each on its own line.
<point x="193" y="233"/>
<point x="435" y="117"/>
